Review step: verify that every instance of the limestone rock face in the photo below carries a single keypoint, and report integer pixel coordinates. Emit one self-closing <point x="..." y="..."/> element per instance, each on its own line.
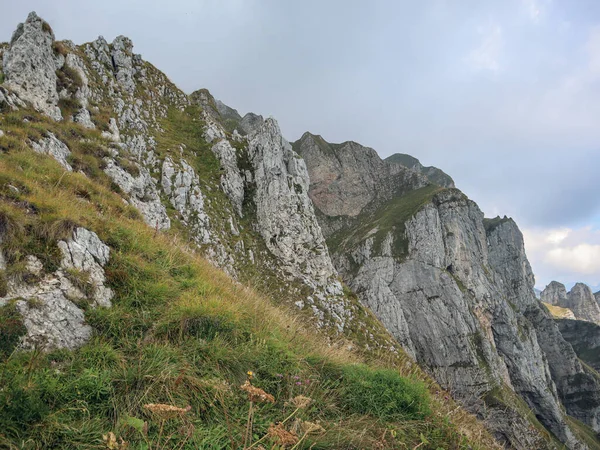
<point x="232" y="181"/>
<point x="585" y="339"/>
<point x="284" y="211"/>
<point x="122" y="59"/>
<point x="250" y="123"/>
<point x="577" y="388"/>
<point x="555" y="294"/>
<point x="142" y="192"/>
<point x="181" y="184"/>
<point x="456" y="291"/>
<point x="582" y="302"/>
<point x="86" y="253"/>
<point x="344" y="178"/>
<point x="51" y="145"/>
<point x="579" y="300"/>
<point x="49" y="314"/>
<point x="29" y="66"/>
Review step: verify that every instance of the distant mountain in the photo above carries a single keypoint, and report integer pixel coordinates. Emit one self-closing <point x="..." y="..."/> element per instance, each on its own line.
<point x="569" y="285"/>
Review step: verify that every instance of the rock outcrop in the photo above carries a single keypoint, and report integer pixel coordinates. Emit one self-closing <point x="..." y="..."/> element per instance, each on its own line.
<point x="284" y="211"/>
<point x="51" y="145"/>
<point x="29" y="66"/>
<point x="555" y="294"/>
<point x="585" y="339"/>
<point x="347" y="177"/>
<point x="579" y="300"/>
<point x="49" y="303"/>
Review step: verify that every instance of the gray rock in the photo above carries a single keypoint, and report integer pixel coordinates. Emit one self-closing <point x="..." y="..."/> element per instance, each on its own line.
<point x="461" y="301"/>
<point x="344" y="178"/>
<point x="83" y="118"/>
<point x="227" y="113"/>
<point x="51" y="145"/>
<point x="113" y="133"/>
<point x="142" y="192"/>
<point x="51" y="317"/>
<point x="83" y="92"/>
<point x="582" y="302"/>
<point x="433" y="174"/>
<point x="573" y="381"/>
<point x="250" y="123"/>
<point x="555" y="294"/>
<point x="232" y="182"/>
<point x="29" y="66"/>
<point x="52" y="320"/>
<point x="584" y="337"/>
<point x="85" y="252"/>
<point x="285" y="214"/>
<point x="182" y="186"/>
<point x="122" y="59"/>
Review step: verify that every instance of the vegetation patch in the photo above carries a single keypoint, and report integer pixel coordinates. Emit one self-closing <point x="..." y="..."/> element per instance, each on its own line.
<point x="182" y="336"/>
<point x="384" y="394"/>
<point x="389" y="218"/>
<point x="491" y="224"/>
<point x="11" y="329"/>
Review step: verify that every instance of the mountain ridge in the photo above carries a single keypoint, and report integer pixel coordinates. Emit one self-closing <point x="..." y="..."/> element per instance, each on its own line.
<point x="132" y="148"/>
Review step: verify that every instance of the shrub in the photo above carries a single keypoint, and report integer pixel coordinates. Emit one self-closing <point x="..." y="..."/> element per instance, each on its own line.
<point x="383" y="393"/>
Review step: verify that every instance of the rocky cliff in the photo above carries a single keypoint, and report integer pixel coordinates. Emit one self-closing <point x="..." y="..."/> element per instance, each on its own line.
<point x="585" y="339"/>
<point x="456" y="291"/>
<point x="241" y="197"/>
<point x="453" y="289"/>
<point x="580" y="300"/>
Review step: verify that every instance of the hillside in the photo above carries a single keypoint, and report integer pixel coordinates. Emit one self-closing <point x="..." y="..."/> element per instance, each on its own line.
<point x="176" y="275"/>
<point x="116" y="331"/>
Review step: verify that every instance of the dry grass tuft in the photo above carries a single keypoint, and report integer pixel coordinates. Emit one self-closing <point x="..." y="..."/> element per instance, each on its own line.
<point x="164" y="411"/>
<point x="281" y="436"/>
<point x="256" y="395"/>
<point x="300" y="401"/>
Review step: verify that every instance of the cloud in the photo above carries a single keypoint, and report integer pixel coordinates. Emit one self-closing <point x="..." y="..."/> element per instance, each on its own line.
<point x="487" y="54"/>
<point x="564" y="254"/>
<point x="533" y="9"/>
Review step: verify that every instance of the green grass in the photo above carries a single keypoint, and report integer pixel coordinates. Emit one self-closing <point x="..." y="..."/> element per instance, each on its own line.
<point x="180" y="332"/>
<point x="390" y="217"/>
<point x="584" y="433"/>
<point x="503" y="396"/>
<point x="384" y="394"/>
<point x="491" y="224"/>
<point x="11" y="329"/>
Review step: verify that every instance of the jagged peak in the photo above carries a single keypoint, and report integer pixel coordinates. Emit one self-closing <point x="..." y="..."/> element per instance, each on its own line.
<point x="35" y="21"/>
<point x="556" y="284"/>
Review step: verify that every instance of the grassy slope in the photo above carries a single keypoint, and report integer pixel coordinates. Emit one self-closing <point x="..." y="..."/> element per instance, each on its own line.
<point x="181" y="333"/>
<point x="391" y="216"/>
<point x="558" y="312"/>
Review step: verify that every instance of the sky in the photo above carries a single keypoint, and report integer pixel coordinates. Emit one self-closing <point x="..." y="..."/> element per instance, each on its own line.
<point x="502" y="95"/>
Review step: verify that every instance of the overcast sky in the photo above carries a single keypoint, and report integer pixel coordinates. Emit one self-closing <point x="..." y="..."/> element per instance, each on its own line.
<point x="502" y="95"/>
